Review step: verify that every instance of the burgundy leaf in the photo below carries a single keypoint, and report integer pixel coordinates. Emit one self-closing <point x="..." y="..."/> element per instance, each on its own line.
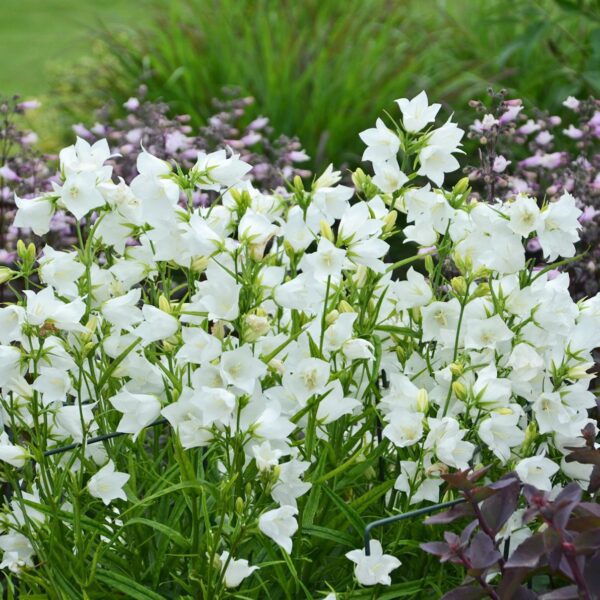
<point x="482" y="553"/>
<point x="465" y="592"/>
<point x="563" y="505"/>
<point x="552" y="548"/>
<point x="440" y="549"/>
<point x="566" y="593"/>
<point x="584" y="455"/>
<point x="587" y="542"/>
<point x="465" y="536"/>
<point x="594" y="485"/>
<point x="449" y="516"/>
<point x="497" y="509"/>
<point x="528" y="554"/>
<point x="583" y="523"/>
<point x="459" y="480"/>
<point x="591" y="572"/>
<point x="510" y="584"/>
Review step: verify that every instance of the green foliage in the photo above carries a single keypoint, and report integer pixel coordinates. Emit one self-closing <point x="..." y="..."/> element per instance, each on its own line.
<point x="319" y="68"/>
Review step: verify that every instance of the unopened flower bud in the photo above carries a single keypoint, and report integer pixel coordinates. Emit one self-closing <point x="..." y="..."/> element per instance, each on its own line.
<point x="298" y="184"/>
<point x="429" y="266"/>
<point x="239" y="505"/>
<point x="360" y="277"/>
<point x="415" y="313"/>
<point x="256" y="327"/>
<point x="163" y="304"/>
<point x="422" y="400"/>
<point x="345" y="307"/>
<point x="21" y="250"/>
<point x="580" y="371"/>
<point x="459" y="285"/>
<point x="332" y="317"/>
<point x="460" y="391"/>
<point x="199" y="264"/>
<point x="277" y="366"/>
<point x="482" y="290"/>
<point x="218" y="330"/>
<point x="6" y="274"/>
<point x="462" y="186"/>
<point x="326" y="230"/>
<point x="359" y="179"/>
<point x="531" y="433"/>
<point x="390" y="221"/>
<point x="456" y="369"/>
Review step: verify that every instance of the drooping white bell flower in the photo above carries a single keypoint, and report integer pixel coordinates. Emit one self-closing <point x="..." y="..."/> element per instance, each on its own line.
<point x="234" y="571"/>
<point x="13" y="454"/>
<point x="280" y="525"/>
<point x="34" y="214"/>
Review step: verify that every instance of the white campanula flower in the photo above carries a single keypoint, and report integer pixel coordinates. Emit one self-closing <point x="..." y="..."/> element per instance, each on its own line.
<point x="388" y="176"/>
<point x="107" y="484"/>
<point x="326" y="262"/>
<point x="17" y="551"/>
<point x="10" y="357"/>
<point x="240" y="368"/>
<point x="11" y="320"/>
<point x="186" y="416"/>
<point x="558" y="232"/>
<point x="405" y="428"/>
<point x="10" y="453"/>
<point x="34" y="214"/>
<point x="198" y="346"/>
<point x="61" y="270"/>
<point x="501" y="433"/>
<point x="382" y="143"/>
<point x="524" y="215"/>
<point x="290" y="486"/>
<point x="334" y="404"/>
<point x="307" y="378"/>
<point x="440" y="320"/>
<point x="217" y="169"/>
<point x="436" y="158"/>
<point x="80" y="194"/>
<point x="486" y="333"/>
<point x="53" y="384"/>
<point x="157" y="325"/>
<point x="417" y="113"/>
<point x="375" y="568"/>
<point x="85" y="158"/>
<point x="139" y="411"/>
<point x="234" y="571"/>
<point x="280" y="525"/>
<point x="414" y="291"/>
<point x="537" y="471"/>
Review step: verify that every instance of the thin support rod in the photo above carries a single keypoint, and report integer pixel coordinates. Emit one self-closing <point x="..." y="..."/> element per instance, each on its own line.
<point x="95" y="440"/>
<point x="403" y="517"/>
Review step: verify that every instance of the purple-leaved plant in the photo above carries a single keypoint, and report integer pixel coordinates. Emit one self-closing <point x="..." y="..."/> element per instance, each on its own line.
<point x="557" y="535"/>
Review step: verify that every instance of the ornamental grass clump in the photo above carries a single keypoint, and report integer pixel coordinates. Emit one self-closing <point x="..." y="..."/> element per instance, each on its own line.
<point x="242" y="387"/>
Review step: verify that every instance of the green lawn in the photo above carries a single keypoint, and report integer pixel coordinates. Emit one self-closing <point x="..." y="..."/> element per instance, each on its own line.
<point x="35" y="34"/>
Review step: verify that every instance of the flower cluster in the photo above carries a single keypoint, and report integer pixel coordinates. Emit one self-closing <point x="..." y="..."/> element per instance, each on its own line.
<point x="289" y="358"/>
<point x="24" y="171"/>
<point x="544" y="156"/>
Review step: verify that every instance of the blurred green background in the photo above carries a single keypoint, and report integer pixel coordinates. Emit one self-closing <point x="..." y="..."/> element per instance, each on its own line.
<point x="319" y="69"/>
